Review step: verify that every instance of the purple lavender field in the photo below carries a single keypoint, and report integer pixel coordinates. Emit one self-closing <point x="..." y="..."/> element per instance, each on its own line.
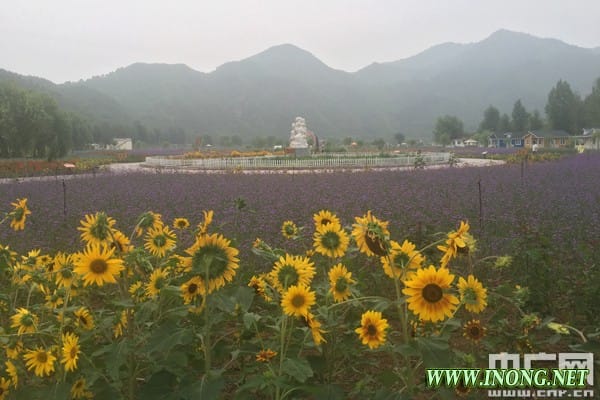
<point x="544" y="214"/>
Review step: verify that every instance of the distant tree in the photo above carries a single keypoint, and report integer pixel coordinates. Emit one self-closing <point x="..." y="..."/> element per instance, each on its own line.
<point x="236" y="140"/>
<point x="491" y="119"/>
<point x="225" y="141"/>
<point x="504" y="124"/>
<point x="347" y="141"/>
<point x="591" y="106"/>
<point x="520" y="117"/>
<point x="400" y="138"/>
<point x="564" y="108"/>
<point x="483" y="137"/>
<point x="535" y="121"/>
<point x="207" y="139"/>
<point x="81" y="131"/>
<point x="448" y="128"/>
<point x="379" y="143"/>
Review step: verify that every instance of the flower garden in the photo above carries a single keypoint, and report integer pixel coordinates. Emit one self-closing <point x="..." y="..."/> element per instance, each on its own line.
<point x="324" y="286"/>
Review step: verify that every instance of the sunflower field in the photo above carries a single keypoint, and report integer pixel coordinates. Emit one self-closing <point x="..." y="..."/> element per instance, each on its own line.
<point x="326" y="307"/>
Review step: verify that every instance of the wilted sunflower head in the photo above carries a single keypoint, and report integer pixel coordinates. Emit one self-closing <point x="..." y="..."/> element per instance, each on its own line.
<point x="473" y="330"/>
<point x="371" y="235"/>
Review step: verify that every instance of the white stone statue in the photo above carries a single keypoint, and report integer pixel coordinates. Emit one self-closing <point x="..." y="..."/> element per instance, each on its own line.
<point x="298" y="134"/>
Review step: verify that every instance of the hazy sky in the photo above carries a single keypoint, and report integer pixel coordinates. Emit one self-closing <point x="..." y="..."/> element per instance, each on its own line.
<point x="76" y="39"/>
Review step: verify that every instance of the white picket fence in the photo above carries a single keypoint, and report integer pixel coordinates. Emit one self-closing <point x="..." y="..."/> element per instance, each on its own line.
<point x="329" y="162"/>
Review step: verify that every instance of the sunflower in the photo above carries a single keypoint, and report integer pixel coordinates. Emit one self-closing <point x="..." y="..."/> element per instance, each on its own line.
<point x="297" y="300"/>
<point x="371" y="235"/>
<point x="291" y="270"/>
<point x="181" y="223"/>
<point x="96" y="265"/>
<point x="97" y="228"/>
<point x="400" y="259"/>
<point x="19" y="214"/>
<point x="78" y="390"/>
<point x="325" y="217"/>
<point x="31" y="260"/>
<point x="289" y="230"/>
<point x="24" y="321"/>
<point x="259" y="284"/>
<point x="191" y="289"/>
<point x="122" y="323"/>
<point x="315" y="328"/>
<point x="157" y="281"/>
<point x="340" y="280"/>
<point x="203" y="226"/>
<point x="454" y="242"/>
<point x="213" y="257"/>
<point x="148" y="220"/>
<point x="12" y="352"/>
<point x="12" y="372"/>
<point x="265" y="355"/>
<point x="70" y="351"/>
<point x="427" y="297"/>
<point x="84" y="319"/>
<point x="45" y="262"/>
<point x="472" y="294"/>
<point x="137" y="291"/>
<point x="120" y="242"/>
<point x="372" y="329"/>
<point x="4" y="385"/>
<point x="474" y="330"/>
<point x="54" y="299"/>
<point x="66" y="278"/>
<point x="7" y="257"/>
<point x="159" y="240"/>
<point x="40" y="361"/>
<point x="331" y="240"/>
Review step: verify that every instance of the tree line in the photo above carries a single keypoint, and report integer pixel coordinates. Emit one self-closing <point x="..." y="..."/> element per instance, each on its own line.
<point x="33" y="125"/>
<point x="565" y="110"/>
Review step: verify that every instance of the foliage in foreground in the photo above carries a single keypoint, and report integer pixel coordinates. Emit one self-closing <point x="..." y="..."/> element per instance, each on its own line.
<point x="167" y="312"/>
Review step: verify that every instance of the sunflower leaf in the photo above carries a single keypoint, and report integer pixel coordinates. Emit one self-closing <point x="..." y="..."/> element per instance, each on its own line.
<point x="298" y="369"/>
<point x="435" y="351"/>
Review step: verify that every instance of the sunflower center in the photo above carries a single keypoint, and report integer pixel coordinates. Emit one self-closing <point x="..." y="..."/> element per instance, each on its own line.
<point x="290" y="230"/>
<point x="210" y="257"/>
<point x="325" y="221"/>
<point x="192" y="288"/>
<point x="474" y="331"/>
<point x="18" y="214"/>
<point x="463" y="250"/>
<point x="341" y="284"/>
<point x="330" y="240"/>
<point x="27" y="320"/>
<point x="100" y="229"/>
<point x="41" y="357"/>
<point x="159" y="241"/>
<point x="98" y="266"/>
<point x="159" y="283"/>
<point x="298" y="301"/>
<point x="73" y="352"/>
<point x="470" y="296"/>
<point x="371" y="330"/>
<point x="432" y="293"/>
<point x="66" y="273"/>
<point x="288" y="275"/>
<point x="401" y="260"/>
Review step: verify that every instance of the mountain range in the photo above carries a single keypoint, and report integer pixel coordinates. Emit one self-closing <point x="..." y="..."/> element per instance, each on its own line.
<point x="262" y="94"/>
